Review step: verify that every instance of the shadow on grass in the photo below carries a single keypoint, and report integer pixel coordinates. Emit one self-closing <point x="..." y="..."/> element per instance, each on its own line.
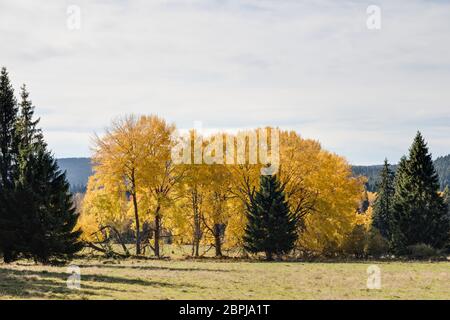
<point x="45" y="284"/>
<point x="151" y="268"/>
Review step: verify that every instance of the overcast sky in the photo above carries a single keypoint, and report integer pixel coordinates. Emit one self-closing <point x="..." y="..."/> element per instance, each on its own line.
<point x="311" y="66"/>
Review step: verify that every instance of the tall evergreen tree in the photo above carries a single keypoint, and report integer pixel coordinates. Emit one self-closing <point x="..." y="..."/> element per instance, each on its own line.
<point x="29" y="136"/>
<point x="50" y="212"/>
<point x="271" y="227"/>
<point x="383" y="206"/>
<point x="49" y="216"/>
<point x="37" y="216"/>
<point x="420" y="213"/>
<point x="8" y="117"/>
<point x="8" y="157"/>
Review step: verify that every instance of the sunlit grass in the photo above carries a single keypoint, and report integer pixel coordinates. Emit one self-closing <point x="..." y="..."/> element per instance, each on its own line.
<point x="208" y="279"/>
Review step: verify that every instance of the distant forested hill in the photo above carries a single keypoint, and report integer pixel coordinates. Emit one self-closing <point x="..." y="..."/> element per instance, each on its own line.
<point x="79" y="170"/>
<point x="371" y="172"/>
<point x="442" y="165"/>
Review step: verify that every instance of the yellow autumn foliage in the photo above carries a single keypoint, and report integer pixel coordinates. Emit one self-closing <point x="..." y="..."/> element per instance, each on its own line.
<point x="136" y="180"/>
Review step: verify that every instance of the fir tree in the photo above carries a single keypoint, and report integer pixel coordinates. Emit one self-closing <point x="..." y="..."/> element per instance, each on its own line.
<point x="29" y="136"/>
<point x="48" y="216"/>
<point x="50" y="211"/>
<point x="420" y="213"/>
<point x="37" y="216"/>
<point x="8" y="117"/>
<point x="8" y="157"/>
<point x="383" y="206"/>
<point x="271" y="227"/>
<point x="397" y="240"/>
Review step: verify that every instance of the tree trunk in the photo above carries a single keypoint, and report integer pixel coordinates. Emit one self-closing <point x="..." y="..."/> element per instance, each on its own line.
<point x="138" y="227"/>
<point x="197" y="247"/>
<point x="269" y="256"/>
<point x="217" y="240"/>
<point x="157" y="231"/>
<point x="197" y="235"/>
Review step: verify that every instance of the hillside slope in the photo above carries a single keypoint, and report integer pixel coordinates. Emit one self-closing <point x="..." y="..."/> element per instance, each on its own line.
<point x="442" y="165"/>
<point x="79" y="169"/>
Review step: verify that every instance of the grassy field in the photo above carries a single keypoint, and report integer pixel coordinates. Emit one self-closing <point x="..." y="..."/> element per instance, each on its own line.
<point x="207" y="279"/>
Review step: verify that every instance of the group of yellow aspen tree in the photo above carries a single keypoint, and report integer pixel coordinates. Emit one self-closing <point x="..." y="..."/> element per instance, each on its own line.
<point x="137" y="186"/>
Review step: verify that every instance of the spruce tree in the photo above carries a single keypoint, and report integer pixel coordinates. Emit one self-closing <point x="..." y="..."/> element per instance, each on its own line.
<point x="8" y="158"/>
<point x="383" y="206"/>
<point x="271" y="227"/>
<point x="420" y="213"/>
<point x="29" y="136"/>
<point x="37" y="215"/>
<point x="49" y="213"/>
<point x="397" y="240"/>
<point x="8" y="117"/>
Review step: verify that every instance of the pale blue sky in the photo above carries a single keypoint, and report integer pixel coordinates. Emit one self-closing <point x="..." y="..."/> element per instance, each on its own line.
<point x="311" y="66"/>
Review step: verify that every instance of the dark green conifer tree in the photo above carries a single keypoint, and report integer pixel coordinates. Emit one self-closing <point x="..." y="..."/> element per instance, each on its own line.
<point x="51" y="213"/>
<point x="420" y="213"/>
<point x="8" y="163"/>
<point x="37" y="216"/>
<point x="383" y="206"/>
<point x="271" y="228"/>
<point x="8" y="118"/>
<point x="29" y="136"/>
<point x="49" y="233"/>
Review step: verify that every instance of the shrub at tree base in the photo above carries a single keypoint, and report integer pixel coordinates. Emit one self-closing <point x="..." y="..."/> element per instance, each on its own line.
<point x="423" y="251"/>
<point x="356" y="243"/>
<point x="377" y="245"/>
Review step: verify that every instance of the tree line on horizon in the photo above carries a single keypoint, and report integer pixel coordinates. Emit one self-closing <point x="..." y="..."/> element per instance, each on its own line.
<point x="372" y="173"/>
<point x="79" y="170"/>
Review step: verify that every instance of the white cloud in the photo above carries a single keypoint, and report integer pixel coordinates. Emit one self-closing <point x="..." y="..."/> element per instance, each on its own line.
<point x="312" y="66"/>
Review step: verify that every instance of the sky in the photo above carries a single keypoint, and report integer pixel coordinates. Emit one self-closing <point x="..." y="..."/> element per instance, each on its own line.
<point x="310" y="66"/>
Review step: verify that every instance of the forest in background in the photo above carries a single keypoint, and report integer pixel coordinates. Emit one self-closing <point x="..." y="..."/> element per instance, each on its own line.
<point x="80" y="169"/>
<point x="372" y="173"/>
